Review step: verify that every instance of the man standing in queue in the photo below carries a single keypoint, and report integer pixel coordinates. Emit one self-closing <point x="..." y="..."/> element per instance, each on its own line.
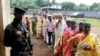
<point x="17" y="36"/>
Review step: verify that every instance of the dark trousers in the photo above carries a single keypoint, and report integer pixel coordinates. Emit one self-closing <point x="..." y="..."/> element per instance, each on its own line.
<point x="53" y="38"/>
<point x="50" y="38"/>
<point x="34" y="30"/>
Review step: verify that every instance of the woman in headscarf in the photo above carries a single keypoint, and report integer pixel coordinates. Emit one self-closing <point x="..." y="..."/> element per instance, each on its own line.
<point x="86" y="42"/>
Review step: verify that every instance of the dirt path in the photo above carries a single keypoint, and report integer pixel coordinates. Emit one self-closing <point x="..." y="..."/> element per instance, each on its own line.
<point x="96" y="30"/>
<point x="40" y="48"/>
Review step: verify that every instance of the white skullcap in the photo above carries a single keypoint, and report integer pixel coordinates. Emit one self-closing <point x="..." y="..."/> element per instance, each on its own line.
<point x="69" y="19"/>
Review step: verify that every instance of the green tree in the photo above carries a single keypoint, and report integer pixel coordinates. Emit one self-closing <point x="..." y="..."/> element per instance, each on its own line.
<point x="41" y="2"/>
<point x="76" y="8"/>
<point x="95" y="7"/>
<point x="68" y="6"/>
<point x="53" y="1"/>
<point x="14" y="3"/>
<point x="83" y="7"/>
<point x="23" y="3"/>
<point x="92" y="7"/>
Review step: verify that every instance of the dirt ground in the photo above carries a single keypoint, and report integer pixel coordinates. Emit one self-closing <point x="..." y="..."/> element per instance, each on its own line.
<point x="40" y="48"/>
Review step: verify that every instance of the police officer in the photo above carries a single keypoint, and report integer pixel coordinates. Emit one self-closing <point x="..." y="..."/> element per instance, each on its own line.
<point x="34" y="25"/>
<point x="16" y="35"/>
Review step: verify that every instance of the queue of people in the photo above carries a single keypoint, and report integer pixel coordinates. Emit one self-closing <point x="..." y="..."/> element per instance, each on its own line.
<point x="70" y="38"/>
<point x="64" y="35"/>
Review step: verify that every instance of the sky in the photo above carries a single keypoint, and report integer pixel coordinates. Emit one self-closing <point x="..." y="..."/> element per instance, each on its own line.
<point x="87" y="2"/>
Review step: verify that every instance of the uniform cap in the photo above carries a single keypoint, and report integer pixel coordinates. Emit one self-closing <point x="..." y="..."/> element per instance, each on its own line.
<point x="19" y="10"/>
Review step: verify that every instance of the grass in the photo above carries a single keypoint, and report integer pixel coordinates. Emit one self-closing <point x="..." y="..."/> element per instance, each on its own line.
<point x="94" y="22"/>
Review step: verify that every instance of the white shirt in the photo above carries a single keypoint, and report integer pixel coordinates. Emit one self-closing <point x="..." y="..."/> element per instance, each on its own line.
<point x="49" y="26"/>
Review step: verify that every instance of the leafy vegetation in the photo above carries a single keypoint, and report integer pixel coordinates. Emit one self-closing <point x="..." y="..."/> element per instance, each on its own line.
<point x="65" y="5"/>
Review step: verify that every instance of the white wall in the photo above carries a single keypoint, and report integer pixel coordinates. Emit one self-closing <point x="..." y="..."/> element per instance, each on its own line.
<point x="4" y="19"/>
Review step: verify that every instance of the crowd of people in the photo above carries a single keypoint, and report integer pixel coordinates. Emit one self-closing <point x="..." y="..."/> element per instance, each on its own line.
<point x="68" y="37"/>
<point x="63" y="34"/>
